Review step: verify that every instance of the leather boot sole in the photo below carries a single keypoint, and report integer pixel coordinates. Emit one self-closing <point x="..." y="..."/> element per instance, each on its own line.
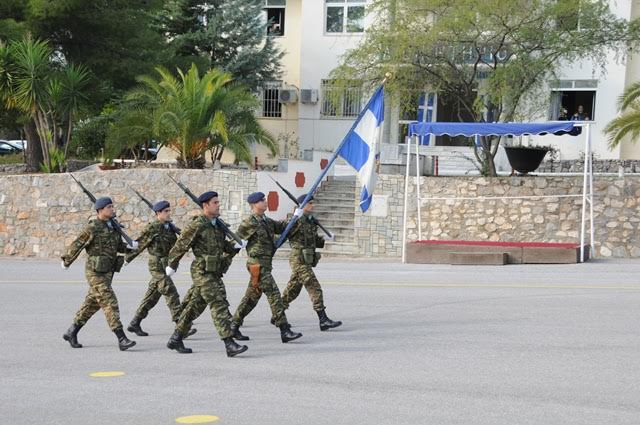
<point x="235" y="353"/>
<point x="289" y="339"/>
<point x="137" y="331"/>
<point x="327" y="327"/>
<point x="180" y="350"/>
<point x="125" y="347"/>
<point x="68" y="339"/>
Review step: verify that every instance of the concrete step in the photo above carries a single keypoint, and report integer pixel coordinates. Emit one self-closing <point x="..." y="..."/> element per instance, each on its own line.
<point x="335" y="199"/>
<point x="334" y="209"/>
<point x="337" y="224"/>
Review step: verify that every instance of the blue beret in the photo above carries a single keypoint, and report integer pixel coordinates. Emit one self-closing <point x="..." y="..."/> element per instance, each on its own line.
<point x="255" y="197"/>
<point x="159" y="206"/>
<point x="301" y="198"/>
<point x="102" y="202"/>
<point x="206" y="196"/>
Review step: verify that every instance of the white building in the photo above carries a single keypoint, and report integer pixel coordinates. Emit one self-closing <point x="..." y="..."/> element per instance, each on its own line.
<point x="315" y="34"/>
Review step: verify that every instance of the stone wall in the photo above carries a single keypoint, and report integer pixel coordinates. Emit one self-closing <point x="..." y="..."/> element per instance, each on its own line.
<point x="40" y="214"/>
<point x="557" y="219"/>
<point x="599" y="166"/>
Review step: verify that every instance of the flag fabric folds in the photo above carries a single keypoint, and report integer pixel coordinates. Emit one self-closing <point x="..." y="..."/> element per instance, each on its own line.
<point x="361" y="148"/>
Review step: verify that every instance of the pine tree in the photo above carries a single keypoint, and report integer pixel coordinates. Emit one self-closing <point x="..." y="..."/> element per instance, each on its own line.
<point x="226" y="34"/>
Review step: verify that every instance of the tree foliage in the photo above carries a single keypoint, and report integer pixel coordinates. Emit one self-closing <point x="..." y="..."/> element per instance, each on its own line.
<point x="627" y="124"/>
<point x="230" y="35"/>
<point x="189" y="114"/>
<point x="487" y="58"/>
<point x="50" y="93"/>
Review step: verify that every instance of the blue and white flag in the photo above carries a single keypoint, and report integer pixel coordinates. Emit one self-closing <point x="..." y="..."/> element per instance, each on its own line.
<point x="361" y="147"/>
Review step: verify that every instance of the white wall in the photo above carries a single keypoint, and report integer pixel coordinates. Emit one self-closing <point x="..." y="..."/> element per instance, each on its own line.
<point x="610" y="86"/>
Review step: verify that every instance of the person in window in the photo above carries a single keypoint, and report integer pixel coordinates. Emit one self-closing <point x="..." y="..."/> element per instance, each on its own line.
<point x="564" y="115"/>
<point x="580" y="115"/>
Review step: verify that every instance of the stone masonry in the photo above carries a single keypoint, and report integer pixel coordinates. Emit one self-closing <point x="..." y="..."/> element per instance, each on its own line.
<point x="41" y="214"/>
<point x="616" y="212"/>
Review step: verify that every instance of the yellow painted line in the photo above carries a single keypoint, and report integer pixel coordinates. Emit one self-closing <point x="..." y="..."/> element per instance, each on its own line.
<point x="384" y="284"/>
<point x="467" y="285"/>
<point x="197" y="419"/>
<point x="106" y="374"/>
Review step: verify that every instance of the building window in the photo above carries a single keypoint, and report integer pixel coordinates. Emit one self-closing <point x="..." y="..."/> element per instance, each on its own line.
<point x="573" y="100"/>
<point x="270" y="106"/>
<point x="340" y="101"/>
<point x="344" y="16"/>
<point x="274" y="16"/>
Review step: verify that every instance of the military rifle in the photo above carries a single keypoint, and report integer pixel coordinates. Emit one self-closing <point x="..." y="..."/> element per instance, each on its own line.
<point x="116" y="225"/>
<point x="293" y="198"/>
<point x="194" y="198"/>
<point x="173" y="227"/>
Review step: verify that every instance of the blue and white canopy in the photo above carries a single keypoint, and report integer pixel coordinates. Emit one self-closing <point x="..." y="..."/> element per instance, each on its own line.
<point x="488" y="129"/>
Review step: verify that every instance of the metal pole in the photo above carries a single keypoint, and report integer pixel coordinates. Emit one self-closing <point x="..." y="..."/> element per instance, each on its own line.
<point x="591" y="236"/>
<point x="406" y="199"/>
<point x="417" y="142"/>
<point x="584" y="194"/>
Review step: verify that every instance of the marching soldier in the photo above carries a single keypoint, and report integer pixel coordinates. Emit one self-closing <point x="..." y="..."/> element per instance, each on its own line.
<point x="158" y="237"/>
<point x="213" y="256"/>
<point x="103" y="243"/>
<point x="304" y="240"/>
<point x="259" y="231"/>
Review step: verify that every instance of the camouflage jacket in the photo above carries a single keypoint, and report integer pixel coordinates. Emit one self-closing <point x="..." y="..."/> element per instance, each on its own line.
<point x="206" y="240"/>
<point x="259" y="232"/>
<point x="157" y="238"/>
<point x="304" y="234"/>
<point x="98" y="239"/>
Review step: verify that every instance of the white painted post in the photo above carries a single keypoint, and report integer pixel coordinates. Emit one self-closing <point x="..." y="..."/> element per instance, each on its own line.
<point x="417" y="141"/>
<point x="585" y="176"/>
<point x="406" y="198"/>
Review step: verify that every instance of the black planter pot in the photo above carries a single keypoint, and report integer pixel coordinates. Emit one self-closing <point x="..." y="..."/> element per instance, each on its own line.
<point x="525" y="159"/>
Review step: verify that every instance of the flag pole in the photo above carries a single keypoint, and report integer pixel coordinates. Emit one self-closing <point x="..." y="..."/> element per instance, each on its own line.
<point x="322" y="175"/>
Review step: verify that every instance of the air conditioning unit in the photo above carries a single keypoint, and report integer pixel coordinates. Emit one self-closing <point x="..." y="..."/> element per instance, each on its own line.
<point x="287" y="96"/>
<point x="308" y="96"/>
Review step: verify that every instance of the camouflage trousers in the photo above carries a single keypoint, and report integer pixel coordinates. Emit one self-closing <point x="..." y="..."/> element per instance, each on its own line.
<point x="207" y="290"/>
<point x="100" y="296"/>
<point x="252" y="295"/>
<point x="160" y="285"/>
<point x="303" y="275"/>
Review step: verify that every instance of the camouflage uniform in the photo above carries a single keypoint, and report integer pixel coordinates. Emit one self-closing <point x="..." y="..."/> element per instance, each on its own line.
<point x="103" y="244"/>
<point x="259" y="233"/>
<point x="304" y="236"/>
<point x="213" y="257"/>
<point x="157" y="238"/>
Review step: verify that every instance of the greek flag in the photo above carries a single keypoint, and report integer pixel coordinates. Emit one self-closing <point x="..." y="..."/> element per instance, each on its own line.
<point x="361" y="146"/>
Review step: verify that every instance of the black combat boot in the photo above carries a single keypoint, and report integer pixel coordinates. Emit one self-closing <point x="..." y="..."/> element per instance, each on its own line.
<point x="235" y="330"/>
<point x="175" y="343"/>
<point x="123" y="342"/>
<point x="72" y="336"/>
<point x="325" y="322"/>
<point x="233" y="348"/>
<point x="134" y="327"/>
<point x="286" y="334"/>
<point x="191" y="332"/>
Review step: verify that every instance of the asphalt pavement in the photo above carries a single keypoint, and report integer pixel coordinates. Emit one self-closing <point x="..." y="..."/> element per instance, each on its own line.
<point x="420" y="344"/>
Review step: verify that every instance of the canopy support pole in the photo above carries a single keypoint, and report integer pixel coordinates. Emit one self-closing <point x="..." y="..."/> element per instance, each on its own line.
<point x="417" y="141"/>
<point x="587" y="194"/>
<point x="406" y="199"/>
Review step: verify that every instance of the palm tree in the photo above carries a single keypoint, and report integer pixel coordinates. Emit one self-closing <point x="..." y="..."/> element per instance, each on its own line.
<point x="45" y="90"/>
<point x="628" y="122"/>
<point x="190" y="114"/>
